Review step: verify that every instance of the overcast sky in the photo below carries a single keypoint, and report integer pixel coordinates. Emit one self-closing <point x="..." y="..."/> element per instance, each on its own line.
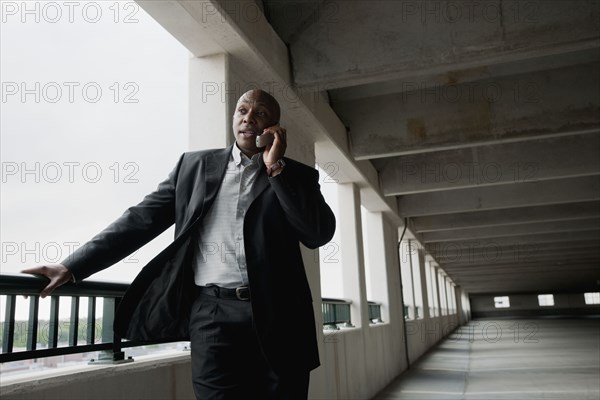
<point x="93" y="116"/>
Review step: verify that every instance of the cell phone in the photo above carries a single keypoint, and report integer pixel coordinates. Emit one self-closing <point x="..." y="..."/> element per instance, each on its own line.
<point x="265" y="139"/>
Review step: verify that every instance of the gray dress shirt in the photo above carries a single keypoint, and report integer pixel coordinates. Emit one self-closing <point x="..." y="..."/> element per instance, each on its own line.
<point x="219" y="257"/>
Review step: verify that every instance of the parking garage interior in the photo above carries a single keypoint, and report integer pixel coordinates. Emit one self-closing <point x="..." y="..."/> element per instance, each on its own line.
<point x="459" y="142"/>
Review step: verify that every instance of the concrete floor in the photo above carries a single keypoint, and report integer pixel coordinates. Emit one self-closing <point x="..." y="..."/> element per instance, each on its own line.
<point x="508" y="359"/>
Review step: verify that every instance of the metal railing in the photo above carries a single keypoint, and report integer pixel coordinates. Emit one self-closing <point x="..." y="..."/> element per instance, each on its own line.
<point x="98" y="337"/>
<point x="408" y="312"/>
<point x="336" y="312"/>
<point x="375" y="312"/>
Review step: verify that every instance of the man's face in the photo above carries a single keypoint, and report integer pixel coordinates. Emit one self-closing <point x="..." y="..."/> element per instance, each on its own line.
<point x="253" y="113"/>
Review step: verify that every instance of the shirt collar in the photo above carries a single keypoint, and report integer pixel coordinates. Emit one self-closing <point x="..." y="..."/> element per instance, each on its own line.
<point x="238" y="156"/>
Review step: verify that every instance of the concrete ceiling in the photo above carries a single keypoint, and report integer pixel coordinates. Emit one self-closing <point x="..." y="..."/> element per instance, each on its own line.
<point x="482" y="120"/>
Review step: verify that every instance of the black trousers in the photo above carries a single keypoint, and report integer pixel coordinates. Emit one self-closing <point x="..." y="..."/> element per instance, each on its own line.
<point x="227" y="360"/>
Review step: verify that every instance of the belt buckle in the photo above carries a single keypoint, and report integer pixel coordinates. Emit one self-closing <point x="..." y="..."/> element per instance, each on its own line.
<point x="238" y="293"/>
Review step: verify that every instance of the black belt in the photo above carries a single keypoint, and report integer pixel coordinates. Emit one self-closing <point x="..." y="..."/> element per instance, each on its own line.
<point x="239" y="293"/>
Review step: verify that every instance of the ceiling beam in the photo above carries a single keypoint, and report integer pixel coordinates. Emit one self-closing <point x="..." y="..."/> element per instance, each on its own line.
<point x="519" y="240"/>
<point x="510" y="259"/>
<point x="590" y="261"/>
<point x="522" y="194"/>
<point x="509" y="109"/>
<point x="471" y="251"/>
<point x="474" y="276"/>
<point x="554" y="284"/>
<point x="403" y="39"/>
<point x="454" y="76"/>
<point x="522" y="281"/>
<point x="555" y="212"/>
<point x="511" y="230"/>
<point x="529" y="161"/>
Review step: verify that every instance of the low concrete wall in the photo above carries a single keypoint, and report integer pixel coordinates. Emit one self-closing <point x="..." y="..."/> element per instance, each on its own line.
<point x="356" y="364"/>
<point x="164" y="377"/>
<point x="359" y="363"/>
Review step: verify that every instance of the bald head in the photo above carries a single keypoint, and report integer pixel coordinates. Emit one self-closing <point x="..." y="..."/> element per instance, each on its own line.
<point x="260" y="96"/>
<point x="254" y="111"/>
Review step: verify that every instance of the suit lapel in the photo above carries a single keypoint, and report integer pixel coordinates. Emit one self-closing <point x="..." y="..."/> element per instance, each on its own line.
<point x="214" y="169"/>
<point x="208" y="181"/>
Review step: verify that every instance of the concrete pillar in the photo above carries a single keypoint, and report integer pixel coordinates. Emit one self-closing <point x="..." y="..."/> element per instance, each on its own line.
<point x="375" y="253"/>
<point x="350" y="228"/>
<point x="436" y="290"/>
<point x="211" y="104"/>
<point x="461" y="315"/>
<point x="422" y="272"/>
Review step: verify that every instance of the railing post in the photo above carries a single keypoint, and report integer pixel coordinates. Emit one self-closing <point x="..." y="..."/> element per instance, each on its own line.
<point x="114" y="356"/>
<point x="54" y="321"/>
<point x="91" y="321"/>
<point x="74" y="321"/>
<point x="108" y="316"/>
<point x="32" y="324"/>
<point x="8" y="336"/>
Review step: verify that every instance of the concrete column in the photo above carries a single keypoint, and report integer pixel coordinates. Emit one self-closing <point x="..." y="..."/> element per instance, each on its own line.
<point x="462" y="318"/>
<point x="211" y="104"/>
<point x="436" y="290"/>
<point x="350" y="228"/>
<point x="422" y="272"/>
<point x="376" y="254"/>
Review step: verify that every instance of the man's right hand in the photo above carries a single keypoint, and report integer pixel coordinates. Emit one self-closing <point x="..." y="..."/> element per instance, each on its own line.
<point x="57" y="273"/>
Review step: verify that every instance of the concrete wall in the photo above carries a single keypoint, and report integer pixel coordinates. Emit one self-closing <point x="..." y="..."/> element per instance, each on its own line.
<point x="356" y="364"/>
<point x="527" y="305"/>
<point x="167" y="377"/>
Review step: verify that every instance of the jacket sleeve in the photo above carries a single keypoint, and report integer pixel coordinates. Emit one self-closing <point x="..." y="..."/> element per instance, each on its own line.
<point x="299" y="193"/>
<point x="132" y="230"/>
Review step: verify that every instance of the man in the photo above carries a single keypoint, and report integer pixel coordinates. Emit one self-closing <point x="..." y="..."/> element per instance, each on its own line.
<point x="232" y="281"/>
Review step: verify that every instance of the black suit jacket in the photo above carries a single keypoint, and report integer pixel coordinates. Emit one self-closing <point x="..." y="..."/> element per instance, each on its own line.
<point x="288" y="209"/>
